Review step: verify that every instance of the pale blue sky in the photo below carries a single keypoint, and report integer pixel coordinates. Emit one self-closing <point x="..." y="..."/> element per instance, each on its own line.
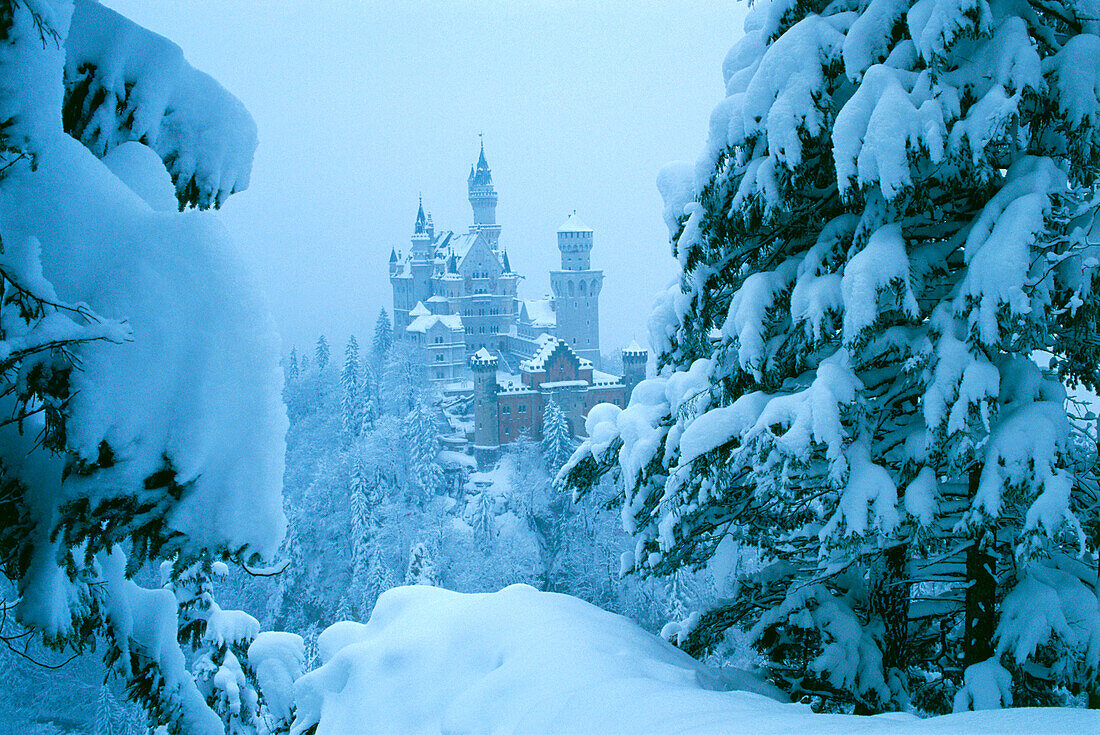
<point x="361" y="105"/>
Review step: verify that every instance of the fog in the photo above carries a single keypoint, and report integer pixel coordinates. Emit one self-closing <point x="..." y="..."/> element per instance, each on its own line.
<point x="363" y="106"/>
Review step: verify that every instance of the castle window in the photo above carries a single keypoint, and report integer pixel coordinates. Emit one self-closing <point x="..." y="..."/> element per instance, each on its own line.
<point x="506" y="409"/>
<point x="523" y="409"/>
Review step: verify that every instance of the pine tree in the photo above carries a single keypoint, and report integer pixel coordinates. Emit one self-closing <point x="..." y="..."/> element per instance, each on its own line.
<point x="484" y="523"/>
<point x="105" y="719"/>
<point x="421" y="569"/>
<point x="888" y="221"/>
<point x="383" y="337"/>
<point x="77" y="588"/>
<point x="321" y="353"/>
<point x="291" y="366"/>
<point x="557" y="436"/>
<point x="351" y="402"/>
<point x="421" y="434"/>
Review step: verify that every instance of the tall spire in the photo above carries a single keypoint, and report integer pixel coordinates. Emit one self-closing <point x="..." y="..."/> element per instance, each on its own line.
<point x="481" y="162"/>
<point x="420" y="219"/>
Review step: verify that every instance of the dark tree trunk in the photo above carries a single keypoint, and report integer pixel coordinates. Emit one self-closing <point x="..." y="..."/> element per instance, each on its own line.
<point x="888" y="603"/>
<point x="981" y="576"/>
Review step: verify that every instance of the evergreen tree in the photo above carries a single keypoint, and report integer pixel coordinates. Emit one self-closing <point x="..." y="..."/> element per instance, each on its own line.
<point x="421" y="433"/>
<point x="484" y="515"/>
<point x="291" y="366"/>
<point x="421" y="569"/>
<point x="888" y="222"/>
<point x="77" y="529"/>
<point x="105" y="718"/>
<point x="557" y="436"/>
<point x="321" y="353"/>
<point x="383" y="337"/>
<point x="351" y="404"/>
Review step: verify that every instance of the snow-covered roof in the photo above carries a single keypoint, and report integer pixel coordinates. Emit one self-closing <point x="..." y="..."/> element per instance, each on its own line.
<point x="419" y="310"/>
<point x="601" y="378"/>
<point x="539" y="313"/>
<point x="574" y="224"/>
<point x="424" y="322"/>
<point x="635" y="349"/>
<point x="483" y="356"/>
<point x="437" y="299"/>
<point x="547" y="346"/>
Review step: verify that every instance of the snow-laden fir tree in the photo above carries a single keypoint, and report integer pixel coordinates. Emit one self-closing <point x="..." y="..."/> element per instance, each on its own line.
<point x="887" y="256"/>
<point x="557" y="436"/>
<point x="321" y="353"/>
<point x="290" y="369"/>
<point x="219" y="640"/>
<point x="100" y="472"/>
<point x="421" y="433"/>
<point x="383" y="337"/>
<point x="370" y="577"/>
<point x="421" y="568"/>
<point x="351" y="384"/>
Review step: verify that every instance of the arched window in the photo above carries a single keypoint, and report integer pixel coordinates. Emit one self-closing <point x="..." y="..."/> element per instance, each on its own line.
<point x="583" y="289"/>
<point x="595" y="287"/>
<point x="571" y="290"/>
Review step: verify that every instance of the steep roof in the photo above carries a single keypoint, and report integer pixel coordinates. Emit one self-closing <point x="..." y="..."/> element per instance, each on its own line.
<point x="425" y="322"/>
<point x="548" y="346"/>
<point x="538" y="313"/>
<point x="419" y="310"/>
<point x="574" y="224"/>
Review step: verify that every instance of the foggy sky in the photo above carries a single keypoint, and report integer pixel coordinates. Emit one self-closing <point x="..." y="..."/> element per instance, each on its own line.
<point x="363" y="105"/>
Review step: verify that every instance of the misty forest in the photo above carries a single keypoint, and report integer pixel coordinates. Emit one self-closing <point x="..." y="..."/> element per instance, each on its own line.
<point x="842" y="477"/>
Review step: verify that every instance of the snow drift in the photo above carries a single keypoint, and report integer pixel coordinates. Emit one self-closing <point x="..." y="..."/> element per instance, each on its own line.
<point x="521" y="661"/>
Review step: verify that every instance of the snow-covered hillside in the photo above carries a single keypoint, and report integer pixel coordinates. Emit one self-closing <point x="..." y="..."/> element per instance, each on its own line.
<point x="523" y="661"/>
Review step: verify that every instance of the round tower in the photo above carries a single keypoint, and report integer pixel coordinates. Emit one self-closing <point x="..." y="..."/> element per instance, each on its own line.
<point x="576" y="290"/>
<point x="635" y="358"/>
<point x="486" y="423"/>
<point x="483" y="197"/>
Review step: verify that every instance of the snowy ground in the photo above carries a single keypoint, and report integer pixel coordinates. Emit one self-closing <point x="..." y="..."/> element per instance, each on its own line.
<point x="523" y="661"/>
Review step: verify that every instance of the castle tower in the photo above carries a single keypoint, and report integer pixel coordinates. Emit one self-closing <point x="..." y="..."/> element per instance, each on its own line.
<point x="483" y="199"/>
<point x="486" y="425"/>
<point x="421" y="263"/>
<point x="635" y="358"/>
<point x="576" y="290"/>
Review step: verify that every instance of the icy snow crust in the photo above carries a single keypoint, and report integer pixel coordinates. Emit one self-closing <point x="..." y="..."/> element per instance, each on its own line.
<point x="522" y="661"/>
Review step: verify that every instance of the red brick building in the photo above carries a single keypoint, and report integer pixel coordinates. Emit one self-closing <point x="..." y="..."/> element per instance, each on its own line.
<point x="507" y="405"/>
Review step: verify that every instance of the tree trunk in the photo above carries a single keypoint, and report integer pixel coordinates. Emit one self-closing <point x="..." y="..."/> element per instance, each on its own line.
<point x="981" y="577"/>
<point x="888" y="603"/>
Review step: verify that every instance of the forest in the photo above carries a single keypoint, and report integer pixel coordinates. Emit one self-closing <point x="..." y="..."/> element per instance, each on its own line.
<point x="859" y="490"/>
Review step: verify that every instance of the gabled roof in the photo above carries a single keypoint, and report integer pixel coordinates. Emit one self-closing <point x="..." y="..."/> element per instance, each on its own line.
<point x="548" y="346"/>
<point x="538" y="313"/>
<point x="419" y="310"/>
<point x="425" y="322"/>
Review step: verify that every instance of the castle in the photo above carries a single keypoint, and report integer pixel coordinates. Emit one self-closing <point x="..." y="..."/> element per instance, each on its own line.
<point x="455" y="299"/>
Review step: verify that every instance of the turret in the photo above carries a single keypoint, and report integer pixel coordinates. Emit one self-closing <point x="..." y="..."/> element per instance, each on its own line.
<point x="576" y="290"/>
<point x="575" y="244"/>
<point x="635" y="358"/>
<point x="483" y="197"/>
<point x="393" y="262"/>
<point x="486" y="423"/>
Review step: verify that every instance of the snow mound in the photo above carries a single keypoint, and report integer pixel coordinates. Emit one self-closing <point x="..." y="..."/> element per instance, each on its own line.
<point x="519" y="660"/>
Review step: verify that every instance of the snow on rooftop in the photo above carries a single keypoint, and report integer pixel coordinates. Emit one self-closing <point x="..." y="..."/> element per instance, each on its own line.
<point x="426" y="321"/>
<point x="483" y="355"/>
<point x="540" y="313"/>
<point x="634" y="348"/>
<point x="574" y="224"/>
<point x="419" y="310"/>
